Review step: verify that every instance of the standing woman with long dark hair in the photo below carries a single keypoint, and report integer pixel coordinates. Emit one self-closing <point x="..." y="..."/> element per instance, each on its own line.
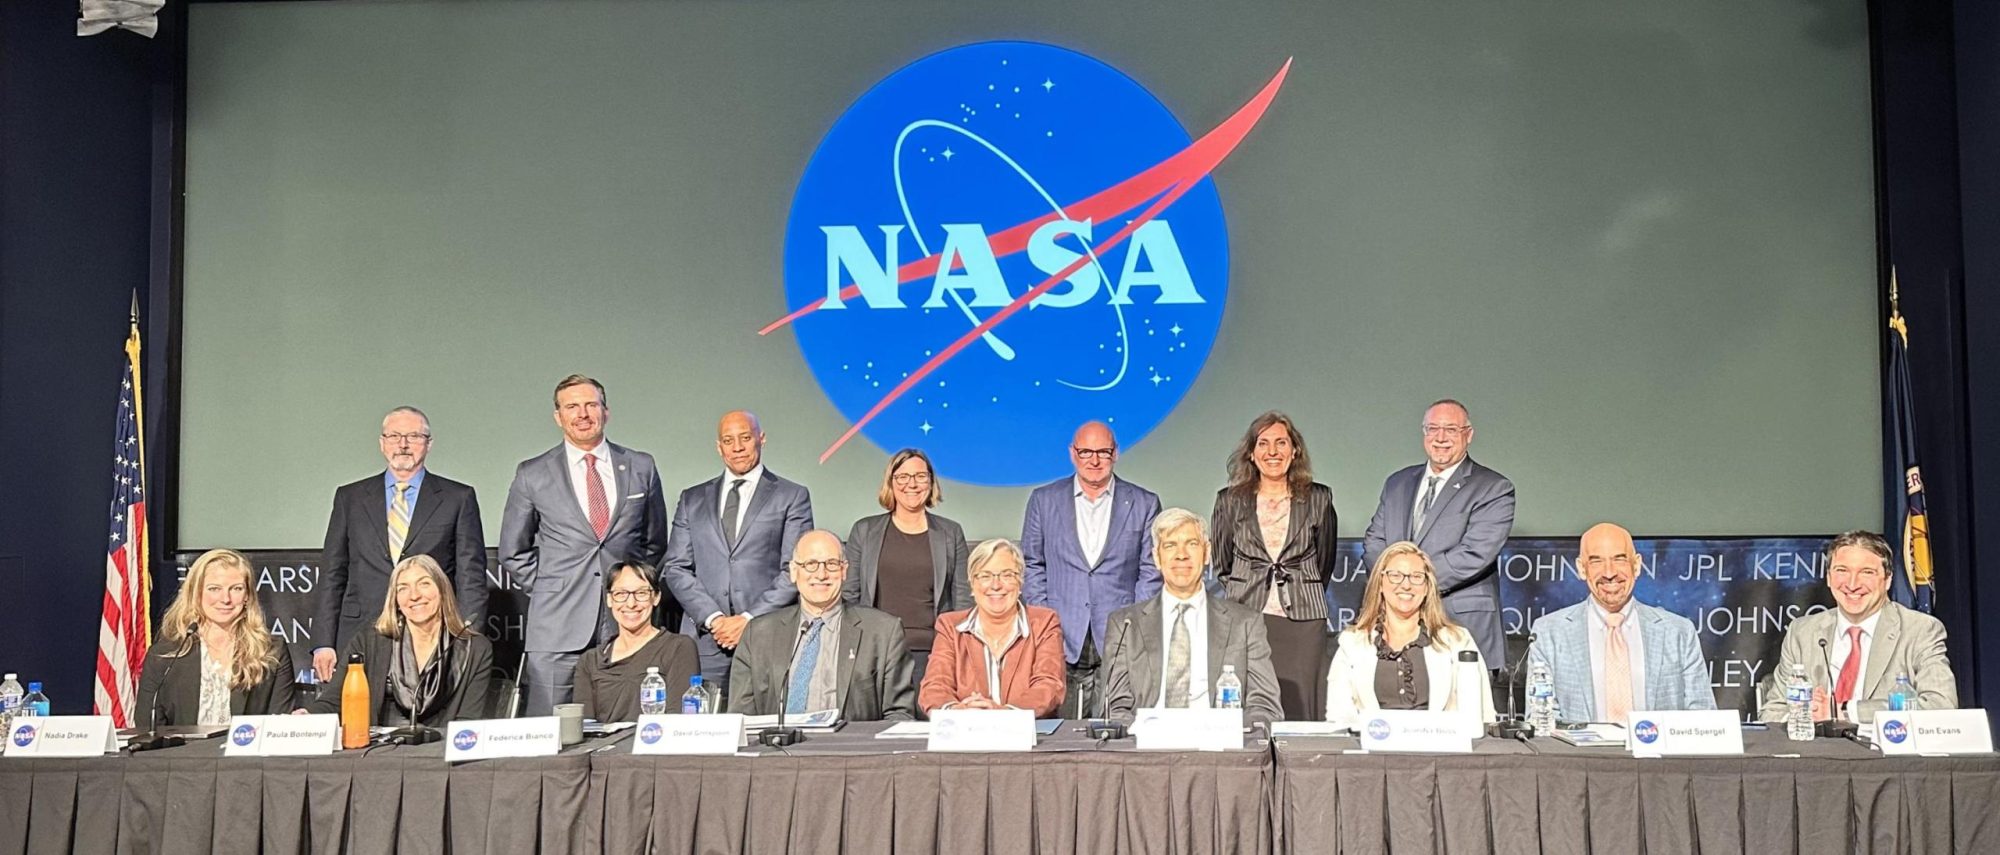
<point x="1274" y="529"/>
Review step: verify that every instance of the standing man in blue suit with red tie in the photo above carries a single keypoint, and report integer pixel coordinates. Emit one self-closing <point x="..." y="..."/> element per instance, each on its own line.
<point x="730" y="546"/>
<point x="1088" y="549"/>
<point x="573" y="513"/>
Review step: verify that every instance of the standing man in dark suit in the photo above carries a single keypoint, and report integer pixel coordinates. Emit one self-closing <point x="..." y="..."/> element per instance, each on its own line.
<point x="821" y="653"/>
<point x="573" y="513"/>
<point x="1087" y="550"/>
<point x="732" y="536"/>
<point x="1460" y="514"/>
<point x="378" y="520"/>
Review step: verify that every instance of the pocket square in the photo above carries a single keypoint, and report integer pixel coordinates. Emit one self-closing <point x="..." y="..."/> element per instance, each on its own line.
<point x="636" y="496"/>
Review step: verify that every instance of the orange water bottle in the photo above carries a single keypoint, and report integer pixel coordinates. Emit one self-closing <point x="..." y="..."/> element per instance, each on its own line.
<point x="354" y="705"/>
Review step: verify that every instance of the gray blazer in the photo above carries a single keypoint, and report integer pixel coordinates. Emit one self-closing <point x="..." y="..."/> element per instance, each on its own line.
<point x="875" y="676"/>
<point x="1467" y="525"/>
<point x="707" y="576"/>
<point x="950" y="586"/>
<point x="1906" y="642"/>
<point x="549" y="549"/>
<point x="1676" y="671"/>
<point x="1133" y="661"/>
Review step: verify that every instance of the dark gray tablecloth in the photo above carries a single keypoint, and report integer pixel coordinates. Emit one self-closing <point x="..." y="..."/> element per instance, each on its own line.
<point x="841" y="793"/>
<point x="1834" y="797"/>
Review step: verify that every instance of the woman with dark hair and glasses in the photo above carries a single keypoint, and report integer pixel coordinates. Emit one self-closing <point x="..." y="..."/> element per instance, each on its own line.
<point x="425" y="665"/>
<point x="909" y="562"/>
<point x="1274" y="542"/>
<point x="607" y="679"/>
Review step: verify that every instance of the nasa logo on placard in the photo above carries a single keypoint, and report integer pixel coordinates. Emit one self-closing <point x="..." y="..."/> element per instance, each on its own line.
<point x="464" y="740"/>
<point x="651" y="733"/>
<point x="24" y="735"/>
<point x="1646" y="731"/>
<point x="1378" y="729"/>
<point x="244" y="734"/>
<point x="1001" y="241"/>
<point x="1895" y="731"/>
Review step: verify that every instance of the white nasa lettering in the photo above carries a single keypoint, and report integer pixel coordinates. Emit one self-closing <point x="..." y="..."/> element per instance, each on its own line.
<point x="876" y="277"/>
<point x="1046" y="254"/>
<point x="1168" y="272"/>
<point x="966" y="263"/>
<point x="965" y="247"/>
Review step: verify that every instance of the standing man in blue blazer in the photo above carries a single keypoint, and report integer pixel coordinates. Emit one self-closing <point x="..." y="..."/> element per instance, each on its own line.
<point x="1087" y="545"/>
<point x="1612" y="654"/>
<point x="573" y="513"/>
<point x="1460" y="514"/>
<point x="732" y="536"/>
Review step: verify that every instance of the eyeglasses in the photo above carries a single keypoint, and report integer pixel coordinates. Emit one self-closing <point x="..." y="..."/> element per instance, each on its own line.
<point x="907" y="478"/>
<point x="411" y="438"/>
<point x="817" y="568"/>
<point x="1398" y="577"/>
<point x="1009" y="578"/>
<point x="1095" y="453"/>
<point x="632" y="596"/>
<point x="1596" y="562"/>
<point x="1452" y="431"/>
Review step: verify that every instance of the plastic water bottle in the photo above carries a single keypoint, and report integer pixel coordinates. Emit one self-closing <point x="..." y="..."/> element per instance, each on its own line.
<point x="10" y="702"/>
<point x="652" y="693"/>
<point x="1904" y="696"/>
<point x="695" y="700"/>
<point x="1541" y="699"/>
<point x="1798" y="703"/>
<point x="1229" y="689"/>
<point x="35" y="703"/>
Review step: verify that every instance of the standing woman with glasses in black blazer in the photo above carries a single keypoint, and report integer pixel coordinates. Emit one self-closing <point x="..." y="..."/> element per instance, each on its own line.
<point x="909" y="562"/>
<point x="1274" y="529"/>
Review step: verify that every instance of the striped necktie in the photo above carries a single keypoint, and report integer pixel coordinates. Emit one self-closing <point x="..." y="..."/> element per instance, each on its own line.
<point x="399" y="521"/>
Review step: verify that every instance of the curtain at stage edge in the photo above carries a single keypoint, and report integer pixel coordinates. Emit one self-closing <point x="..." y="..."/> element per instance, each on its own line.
<point x="126" y="630"/>
<point x="1908" y="527"/>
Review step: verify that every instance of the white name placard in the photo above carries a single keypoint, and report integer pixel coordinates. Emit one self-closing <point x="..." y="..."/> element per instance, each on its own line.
<point x="982" y="730"/>
<point x="282" y="736"/>
<point x="1188" y="729"/>
<point x="688" y="734"/>
<point x="484" y="739"/>
<point x="62" y="736"/>
<point x="1666" y="733"/>
<point x="1426" y="731"/>
<point x="1933" y="732"/>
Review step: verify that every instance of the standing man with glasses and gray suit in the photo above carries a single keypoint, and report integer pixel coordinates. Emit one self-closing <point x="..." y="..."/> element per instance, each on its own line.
<point x="731" y="539"/>
<point x="573" y="513"/>
<point x="1460" y="514"/>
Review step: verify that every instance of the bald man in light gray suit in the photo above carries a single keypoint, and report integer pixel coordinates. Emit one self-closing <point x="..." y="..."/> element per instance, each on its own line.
<point x="572" y="513"/>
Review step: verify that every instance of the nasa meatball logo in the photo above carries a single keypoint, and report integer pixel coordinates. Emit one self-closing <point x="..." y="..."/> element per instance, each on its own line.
<point x="244" y="734"/>
<point x="651" y="733"/>
<point x="1378" y="729"/>
<point x="23" y="735"/>
<point x="1646" y="731"/>
<point x="1895" y="731"/>
<point x="464" y="740"/>
<point x="1001" y="241"/>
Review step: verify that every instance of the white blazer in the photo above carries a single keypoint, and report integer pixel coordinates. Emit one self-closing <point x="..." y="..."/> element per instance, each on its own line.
<point x="1350" y="681"/>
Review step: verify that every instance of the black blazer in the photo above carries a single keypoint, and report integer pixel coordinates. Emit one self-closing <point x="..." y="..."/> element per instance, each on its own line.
<point x="172" y="684"/>
<point x="355" y="565"/>
<point x="470" y="688"/>
<point x="950" y="586"/>
<point x="1245" y="568"/>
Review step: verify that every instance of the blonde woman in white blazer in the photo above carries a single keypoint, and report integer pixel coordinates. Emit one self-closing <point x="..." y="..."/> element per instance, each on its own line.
<point x="1401" y="639"/>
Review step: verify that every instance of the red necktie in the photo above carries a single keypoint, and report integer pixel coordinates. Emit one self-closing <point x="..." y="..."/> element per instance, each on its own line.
<point x="1850" y="671"/>
<point x="600" y="508"/>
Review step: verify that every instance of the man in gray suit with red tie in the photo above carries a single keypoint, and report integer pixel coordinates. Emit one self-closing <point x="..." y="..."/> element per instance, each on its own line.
<point x="1087" y="551"/>
<point x="730" y="546"/>
<point x="572" y="513"/>
<point x="1460" y="514"/>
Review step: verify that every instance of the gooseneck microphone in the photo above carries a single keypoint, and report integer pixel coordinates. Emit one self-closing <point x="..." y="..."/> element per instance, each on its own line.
<point x="1104" y="729"/>
<point x="1512" y="726"/>
<point x="1834" y="726"/>
<point x="782" y="736"/>
<point x="151" y="739"/>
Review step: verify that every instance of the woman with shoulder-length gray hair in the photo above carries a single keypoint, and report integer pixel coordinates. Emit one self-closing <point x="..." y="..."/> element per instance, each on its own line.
<point x="1274" y="530"/>
<point x="1001" y="653"/>
<point x="425" y="665"/>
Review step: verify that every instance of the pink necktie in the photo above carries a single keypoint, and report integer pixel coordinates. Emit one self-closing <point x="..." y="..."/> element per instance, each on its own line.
<point x="1617" y="671"/>
<point x="600" y="508"/>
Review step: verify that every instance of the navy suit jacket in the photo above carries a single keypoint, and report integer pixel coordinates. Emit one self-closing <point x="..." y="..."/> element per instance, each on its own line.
<point x="1467" y="525"/>
<point x="355" y="565"/>
<point x="1084" y="595"/>
<point x="707" y="576"/>
<point x="548" y="547"/>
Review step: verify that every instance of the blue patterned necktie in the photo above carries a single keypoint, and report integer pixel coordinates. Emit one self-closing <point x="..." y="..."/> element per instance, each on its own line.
<point x="802" y="673"/>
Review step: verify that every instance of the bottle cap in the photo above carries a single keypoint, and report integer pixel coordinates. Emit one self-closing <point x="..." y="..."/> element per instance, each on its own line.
<point x="652" y="669"/>
<point x="1228" y="669"/>
<point x="694" y="680"/>
<point x="354" y="658"/>
<point x="34" y="687"/>
<point x="13" y="676"/>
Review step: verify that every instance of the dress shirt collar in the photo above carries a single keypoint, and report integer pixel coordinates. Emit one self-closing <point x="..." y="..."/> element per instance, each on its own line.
<point x="750" y="478"/>
<point x="1076" y="489"/>
<point x="574" y="455"/>
<point x="416" y="479"/>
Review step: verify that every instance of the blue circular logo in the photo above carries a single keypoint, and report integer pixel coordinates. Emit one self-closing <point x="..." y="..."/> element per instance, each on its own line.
<point x="999" y="242"/>
<point x="651" y="733"/>
<point x="244" y="734"/>
<point x="464" y="740"/>
<point x="24" y="735"/>
<point x="1646" y="731"/>
<point x="1895" y="731"/>
<point x="1378" y="729"/>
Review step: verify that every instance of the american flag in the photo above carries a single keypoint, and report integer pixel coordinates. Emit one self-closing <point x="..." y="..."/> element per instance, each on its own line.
<point x="127" y="629"/>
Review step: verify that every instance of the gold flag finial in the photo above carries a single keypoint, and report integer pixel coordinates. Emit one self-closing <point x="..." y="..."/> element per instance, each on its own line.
<point x="135" y="302"/>
<point x="1894" y="309"/>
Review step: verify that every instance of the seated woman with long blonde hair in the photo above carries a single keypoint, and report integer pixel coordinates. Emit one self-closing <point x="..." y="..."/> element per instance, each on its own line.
<point x="1400" y="652"/>
<point x="215" y="657"/>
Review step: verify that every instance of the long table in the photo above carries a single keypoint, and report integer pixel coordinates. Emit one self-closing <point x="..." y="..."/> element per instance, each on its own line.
<point x="851" y="792"/>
